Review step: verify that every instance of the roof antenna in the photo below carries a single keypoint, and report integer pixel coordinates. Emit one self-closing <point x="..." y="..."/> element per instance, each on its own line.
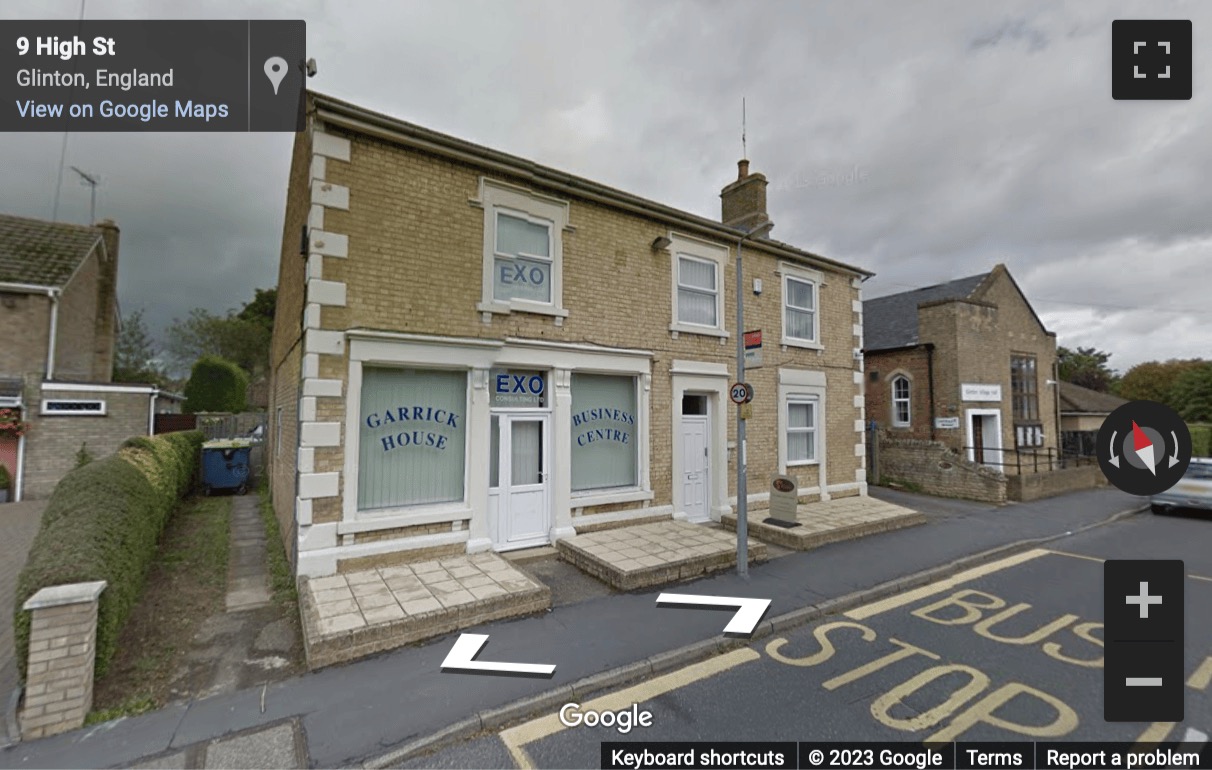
<point x="744" y="149"/>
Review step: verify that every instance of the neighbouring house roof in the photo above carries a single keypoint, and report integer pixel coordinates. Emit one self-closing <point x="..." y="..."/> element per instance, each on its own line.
<point x="363" y="121"/>
<point x="891" y="322"/>
<point x="1074" y="399"/>
<point x="39" y="253"/>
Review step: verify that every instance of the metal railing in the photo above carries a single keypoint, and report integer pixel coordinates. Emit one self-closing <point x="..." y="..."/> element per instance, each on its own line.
<point x="1029" y="460"/>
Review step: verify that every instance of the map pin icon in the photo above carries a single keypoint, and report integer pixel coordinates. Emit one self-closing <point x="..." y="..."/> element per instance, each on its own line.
<point x="275" y="70"/>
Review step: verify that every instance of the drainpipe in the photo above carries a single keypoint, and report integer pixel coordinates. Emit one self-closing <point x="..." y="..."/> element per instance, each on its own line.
<point x="930" y="383"/>
<point x="53" y="294"/>
<point x="20" y="470"/>
<point x="151" y="413"/>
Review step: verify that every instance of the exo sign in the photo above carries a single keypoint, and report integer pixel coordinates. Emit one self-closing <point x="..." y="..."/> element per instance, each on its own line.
<point x="518" y="388"/>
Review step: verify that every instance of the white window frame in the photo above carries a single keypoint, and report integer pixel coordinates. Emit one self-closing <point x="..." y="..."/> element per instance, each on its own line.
<point x="578" y="496"/>
<point x="684" y="246"/>
<point x="789" y="271"/>
<point x="814" y="402"/>
<point x="499" y="197"/>
<point x="45" y="411"/>
<point x="908" y="400"/>
<point x="800" y="385"/>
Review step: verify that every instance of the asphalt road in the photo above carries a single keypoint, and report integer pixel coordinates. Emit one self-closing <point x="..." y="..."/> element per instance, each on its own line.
<point x="1010" y="655"/>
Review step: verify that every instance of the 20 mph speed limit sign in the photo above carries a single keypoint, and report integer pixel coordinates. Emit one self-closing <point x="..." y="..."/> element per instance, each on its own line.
<point x="741" y="393"/>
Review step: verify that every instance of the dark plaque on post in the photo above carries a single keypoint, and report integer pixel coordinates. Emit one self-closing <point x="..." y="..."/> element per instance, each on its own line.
<point x="784" y="500"/>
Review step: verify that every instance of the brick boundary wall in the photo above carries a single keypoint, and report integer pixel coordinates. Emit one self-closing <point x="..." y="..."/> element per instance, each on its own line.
<point x="62" y="656"/>
<point x="1034" y="486"/>
<point x="939" y="470"/>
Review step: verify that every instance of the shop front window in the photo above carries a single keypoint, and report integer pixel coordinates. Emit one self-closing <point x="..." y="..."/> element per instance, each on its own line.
<point x="412" y="437"/>
<point x="605" y="437"/>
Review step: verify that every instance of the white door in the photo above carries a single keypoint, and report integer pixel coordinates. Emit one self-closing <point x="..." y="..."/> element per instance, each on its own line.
<point x="695" y="468"/>
<point x="522" y="496"/>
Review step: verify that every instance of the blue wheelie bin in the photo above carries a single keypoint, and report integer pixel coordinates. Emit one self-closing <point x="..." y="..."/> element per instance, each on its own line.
<point x="225" y="465"/>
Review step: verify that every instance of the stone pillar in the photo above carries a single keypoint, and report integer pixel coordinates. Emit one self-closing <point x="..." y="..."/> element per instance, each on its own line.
<point x="62" y="652"/>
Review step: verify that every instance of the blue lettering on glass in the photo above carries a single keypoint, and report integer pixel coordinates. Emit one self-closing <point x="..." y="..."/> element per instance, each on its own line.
<point x="600" y="414"/>
<point x="520" y="384"/>
<point x="517" y="274"/>
<point x="414" y="437"/>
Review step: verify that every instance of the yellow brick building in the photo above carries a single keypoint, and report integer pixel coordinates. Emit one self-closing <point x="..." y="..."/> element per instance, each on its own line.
<point x="475" y="352"/>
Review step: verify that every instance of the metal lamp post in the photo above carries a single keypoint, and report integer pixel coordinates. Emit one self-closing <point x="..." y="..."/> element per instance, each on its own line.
<point x="742" y="492"/>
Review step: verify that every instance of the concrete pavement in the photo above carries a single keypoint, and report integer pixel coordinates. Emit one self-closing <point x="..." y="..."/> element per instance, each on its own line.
<point x="354" y="712"/>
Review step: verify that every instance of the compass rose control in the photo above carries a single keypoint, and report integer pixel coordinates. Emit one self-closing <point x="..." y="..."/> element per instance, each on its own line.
<point x="1144" y="447"/>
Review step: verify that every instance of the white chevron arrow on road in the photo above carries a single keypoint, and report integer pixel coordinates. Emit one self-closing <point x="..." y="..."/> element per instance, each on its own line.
<point x="749" y="611"/>
<point x="460" y="658"/>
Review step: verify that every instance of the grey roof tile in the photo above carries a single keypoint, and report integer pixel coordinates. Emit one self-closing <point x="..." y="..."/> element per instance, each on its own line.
<point x="42" y="253"/>
<point x="891" y="321"/>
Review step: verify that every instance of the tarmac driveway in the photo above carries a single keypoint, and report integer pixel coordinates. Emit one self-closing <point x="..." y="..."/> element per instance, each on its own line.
<point x="18" y="525"/>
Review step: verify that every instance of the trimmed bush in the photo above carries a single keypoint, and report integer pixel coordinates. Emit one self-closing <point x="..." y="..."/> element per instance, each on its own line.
<point x="216" y="385"/>
<point x="103" y="522"/>
<point x="1201" y="440"/>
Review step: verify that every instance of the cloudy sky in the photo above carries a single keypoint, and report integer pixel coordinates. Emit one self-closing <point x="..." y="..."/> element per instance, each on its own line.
<point x="923" y="141"/>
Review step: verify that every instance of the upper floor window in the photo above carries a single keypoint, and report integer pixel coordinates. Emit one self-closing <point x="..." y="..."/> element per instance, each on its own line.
<point x="523" y="251"/>
<point x="801" y="302"/>
<point x="698" y="292"/>
<point x="900" y="401"/>
<point x="1024" y="388"/>
<point x="697" y="280"/>
<point x="522" y="258"/>
<point x="72" y="406"/>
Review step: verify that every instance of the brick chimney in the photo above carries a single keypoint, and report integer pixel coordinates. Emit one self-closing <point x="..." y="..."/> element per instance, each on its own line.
<point x="743" y="202"/>
<point x="107" y="304"/>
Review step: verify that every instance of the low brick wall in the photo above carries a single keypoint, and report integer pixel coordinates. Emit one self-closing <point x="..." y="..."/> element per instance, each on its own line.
<point x="1033" y="486"/>
<point x="938" y="470"/>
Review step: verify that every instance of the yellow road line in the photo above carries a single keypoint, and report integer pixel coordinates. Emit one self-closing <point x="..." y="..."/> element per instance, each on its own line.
<point x="536" y="729"/>
<point x="1202" y="676"/>
<point x="1100" y="560"/>
<point x="1154" y="733"/>
<point x="908" y="597"/>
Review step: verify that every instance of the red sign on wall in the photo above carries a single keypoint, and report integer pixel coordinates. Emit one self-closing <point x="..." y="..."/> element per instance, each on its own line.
<point x="753" y="339"/>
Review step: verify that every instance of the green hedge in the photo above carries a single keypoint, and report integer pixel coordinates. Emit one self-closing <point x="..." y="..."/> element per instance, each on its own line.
<point x="103" y="522"/>
<point x="1201" y="440"/>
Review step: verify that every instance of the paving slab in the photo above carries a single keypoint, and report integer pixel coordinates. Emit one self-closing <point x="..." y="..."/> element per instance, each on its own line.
<point x="628" y="558"/>
<point x="355" y="614"/>
<point x="830" y="521"/>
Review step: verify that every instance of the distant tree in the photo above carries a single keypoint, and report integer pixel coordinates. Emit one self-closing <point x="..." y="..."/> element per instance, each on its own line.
<point x="136" y="356"/>
<point x="216" y="385"/>
<point x="1086" y="367"/>
<point x="240" y="336"/>
<point x="1154" y="381"/>
<point x="1191" y="394"/>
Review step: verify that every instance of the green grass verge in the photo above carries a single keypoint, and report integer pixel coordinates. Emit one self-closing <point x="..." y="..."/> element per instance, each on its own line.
<point x="130" y="708"/>
<point x="281" y="576"/>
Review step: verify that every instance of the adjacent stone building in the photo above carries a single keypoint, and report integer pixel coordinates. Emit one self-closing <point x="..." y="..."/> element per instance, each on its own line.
<point x="59" y="313"/>
<point x="1082" y="412"/>
<point x="475" y="352"/>
<point x="967" y="363"/>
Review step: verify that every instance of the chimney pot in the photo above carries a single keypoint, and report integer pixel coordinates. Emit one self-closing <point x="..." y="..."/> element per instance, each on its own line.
<point x="742" y="169"/>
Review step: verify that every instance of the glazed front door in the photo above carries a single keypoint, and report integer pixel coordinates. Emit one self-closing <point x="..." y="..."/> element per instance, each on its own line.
<point x="524" y="491"/>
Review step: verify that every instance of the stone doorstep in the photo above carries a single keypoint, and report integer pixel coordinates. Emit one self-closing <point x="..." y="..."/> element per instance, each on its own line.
<point x="345" y="646"/>
<point x="667" y="572"/>
<point x="800" y="539"/>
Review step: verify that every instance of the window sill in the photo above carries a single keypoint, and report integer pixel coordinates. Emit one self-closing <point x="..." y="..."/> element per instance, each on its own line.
<point x="592" y="498"/>
<point x="802" y="463"/>
<point x="902" y="426"/>
<point x="703" y="331"/>
<point x="506" y="308"/>
<point x="411" y="516"/>
<point x="789" y="342"/>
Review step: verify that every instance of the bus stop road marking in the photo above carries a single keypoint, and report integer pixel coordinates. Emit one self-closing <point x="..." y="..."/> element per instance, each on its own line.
<point x="1100" y="560"/>
<point x="515" y="738"/>
<point x="909" y="597"/>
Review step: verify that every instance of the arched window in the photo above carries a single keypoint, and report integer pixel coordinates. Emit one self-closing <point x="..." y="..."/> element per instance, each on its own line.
<point x="900" y="401"/>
